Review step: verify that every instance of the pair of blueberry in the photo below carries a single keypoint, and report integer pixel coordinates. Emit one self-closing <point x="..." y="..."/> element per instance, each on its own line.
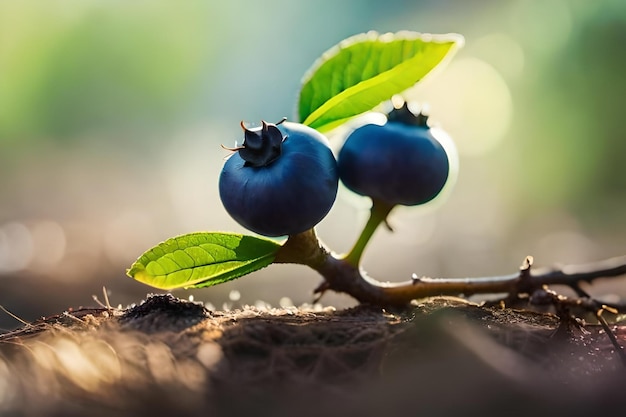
<point x="283" y="179"/>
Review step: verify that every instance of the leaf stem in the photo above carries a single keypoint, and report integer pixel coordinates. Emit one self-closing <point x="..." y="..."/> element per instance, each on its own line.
<point x="378" y="214"/>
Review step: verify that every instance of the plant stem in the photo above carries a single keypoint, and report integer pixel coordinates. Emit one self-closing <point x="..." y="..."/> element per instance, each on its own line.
<point x="378" y="214"/>
<point x="367" y="290"/>
<point x="341" y="275"/>
<point x="304" y="249"/>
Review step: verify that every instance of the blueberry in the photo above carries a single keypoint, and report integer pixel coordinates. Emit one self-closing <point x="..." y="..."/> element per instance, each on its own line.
<point x="281" y="181"/>
<point x="399" y="162"/>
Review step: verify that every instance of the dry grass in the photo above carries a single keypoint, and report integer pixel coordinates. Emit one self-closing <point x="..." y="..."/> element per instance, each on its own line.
<point x="172" y="357"/>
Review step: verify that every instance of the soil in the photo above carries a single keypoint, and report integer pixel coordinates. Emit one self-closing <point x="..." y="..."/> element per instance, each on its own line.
<point x="442" y="356"/>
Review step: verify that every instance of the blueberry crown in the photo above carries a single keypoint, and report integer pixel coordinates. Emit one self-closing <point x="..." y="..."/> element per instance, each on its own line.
<point x="404" y="115"/>
<point x="262" y="145"/>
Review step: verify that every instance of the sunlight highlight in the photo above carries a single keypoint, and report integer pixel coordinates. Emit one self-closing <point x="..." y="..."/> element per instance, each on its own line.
<point x="16" y="247"/>
<point x="89" y="365"/>
<point x="472" y="102"/>
<point x="49" y="243"/>
<point x="501" y="51"/>
<point x="6" y="391"/>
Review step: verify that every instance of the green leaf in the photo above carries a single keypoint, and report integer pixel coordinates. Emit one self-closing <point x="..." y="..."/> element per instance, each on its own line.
<point x="364" y="70"/>
<point x="202" y="259"/>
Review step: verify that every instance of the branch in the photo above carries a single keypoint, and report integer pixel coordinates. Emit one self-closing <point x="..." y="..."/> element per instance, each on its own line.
<point x="342" y="276"/>
<point x="524" y="281"/>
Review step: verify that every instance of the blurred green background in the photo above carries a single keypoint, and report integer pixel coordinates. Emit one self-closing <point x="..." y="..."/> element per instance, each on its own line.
<point x="112" y="114"/>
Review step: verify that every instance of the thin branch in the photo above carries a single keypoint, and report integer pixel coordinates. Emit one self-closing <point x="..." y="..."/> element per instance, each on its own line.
<point x="524" y="281"/>
<point x="25" y="323"/>
<point x="607" y="329"/>
<point x="564" y="305"/>
<point x="342" y="276"/>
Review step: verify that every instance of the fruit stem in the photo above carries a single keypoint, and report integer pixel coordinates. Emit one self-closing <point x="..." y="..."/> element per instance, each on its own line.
<point x="378" y="214"/>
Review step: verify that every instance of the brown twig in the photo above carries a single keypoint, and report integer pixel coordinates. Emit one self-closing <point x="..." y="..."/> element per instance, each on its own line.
<point x="563" y="306"/>
<point x="607" y="329"/>
<point x="341" y="276"/>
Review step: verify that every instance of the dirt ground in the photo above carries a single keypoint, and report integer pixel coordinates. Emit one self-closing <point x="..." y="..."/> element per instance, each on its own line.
<point x="442" y="356"/>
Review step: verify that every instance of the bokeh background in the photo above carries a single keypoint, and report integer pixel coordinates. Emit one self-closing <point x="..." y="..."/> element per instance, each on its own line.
<point x="112" y="114"/>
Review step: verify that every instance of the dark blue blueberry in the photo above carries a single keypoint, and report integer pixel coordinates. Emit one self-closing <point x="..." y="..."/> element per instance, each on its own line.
<point x="281" y="181"/>
<point x="400" y="162"/>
